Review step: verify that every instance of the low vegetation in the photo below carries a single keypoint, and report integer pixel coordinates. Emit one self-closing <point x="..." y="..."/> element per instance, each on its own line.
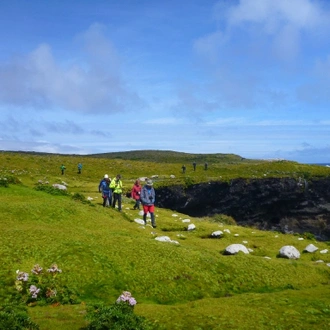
<point x="188" y="283"/>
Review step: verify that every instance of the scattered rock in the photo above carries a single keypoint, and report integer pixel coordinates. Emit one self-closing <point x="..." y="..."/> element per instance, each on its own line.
<point x="165" y="239"/>
<point x="235" y="248"/>
<point x="217" y="234"/>
<point x="311" y="248"/>
<point x="290" y="252"/>
<point x="191" y="227"/>
<point x="59" y="186"/>
<point x="139" y="221"/>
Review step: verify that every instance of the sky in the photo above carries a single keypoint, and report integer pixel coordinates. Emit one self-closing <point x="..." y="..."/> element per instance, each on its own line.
<point x="244" y="77"/>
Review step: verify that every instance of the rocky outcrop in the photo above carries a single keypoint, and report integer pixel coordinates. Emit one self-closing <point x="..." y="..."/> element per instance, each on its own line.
<point x="284" y="204"/>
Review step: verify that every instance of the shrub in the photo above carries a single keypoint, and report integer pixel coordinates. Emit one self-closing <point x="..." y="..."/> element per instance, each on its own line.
<point x="5" y="181"/>
<point x="43" y="287"/>
<point x="222" y="218"/>
<point x="16" y="317"/>
<point x="80" y="198"/>
<point x="51" y="190"/>
<point x="118" y="316"/>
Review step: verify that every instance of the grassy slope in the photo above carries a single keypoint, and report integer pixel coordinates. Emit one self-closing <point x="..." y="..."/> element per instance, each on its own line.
<point x="191" y="285"/>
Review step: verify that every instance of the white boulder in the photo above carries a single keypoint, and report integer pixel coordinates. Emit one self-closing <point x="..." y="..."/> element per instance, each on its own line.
<point x="191" y="227"/>
<point x="165" y="239"/>
<point x="235" y="248"/>
<point x="290" y="252"/>
<point x="217" y="234"/>
<point x="139" y="221"/>
<point x="59" y="186"/>
<point x="311" y="248"/>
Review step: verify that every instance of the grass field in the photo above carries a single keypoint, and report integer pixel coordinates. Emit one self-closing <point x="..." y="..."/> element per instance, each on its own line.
<point x="190" y="284"/>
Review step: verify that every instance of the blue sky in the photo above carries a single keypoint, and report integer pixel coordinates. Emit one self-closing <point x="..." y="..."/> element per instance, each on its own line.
<point x="248" y="77"/>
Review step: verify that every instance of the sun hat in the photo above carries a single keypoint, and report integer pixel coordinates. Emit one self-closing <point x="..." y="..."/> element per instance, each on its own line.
<point x="106" y="176"/>
<point x="149" y="182"/>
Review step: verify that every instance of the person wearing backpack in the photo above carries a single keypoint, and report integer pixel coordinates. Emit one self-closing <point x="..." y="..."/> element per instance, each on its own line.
<point x="148" y="197"/>
<point x="104" y="188"/>
<point x="116" y="186"/>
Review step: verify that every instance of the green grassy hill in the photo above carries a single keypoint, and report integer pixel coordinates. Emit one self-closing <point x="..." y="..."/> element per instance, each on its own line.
<point x="190" y="284"/>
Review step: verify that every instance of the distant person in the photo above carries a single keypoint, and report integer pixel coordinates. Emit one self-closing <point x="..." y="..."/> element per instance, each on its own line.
<point x="136" y="194"/>
<point x="148" y="197"/>
<point x="116" y="186"/>
<point x="194" y="166"/>
<point x="79" y="168"/>
<point x="104" y="188"/>
<point x="205" y="166"/>
<point x="183" y="168"/>
<point x="63" y="168"/>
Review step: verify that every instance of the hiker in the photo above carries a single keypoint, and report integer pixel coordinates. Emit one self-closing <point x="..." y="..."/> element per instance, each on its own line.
<point x="63" y="168"/>
<point x="135" y="194"/>
<point x="104" y="188"/>
<point x="205" y="166"/>
<point x="79" y="168"/>
<point x="116" y="186"/>
<point x="194" y="166"/>
<point x="183" y="169"/>
<point x="148" y="197"/>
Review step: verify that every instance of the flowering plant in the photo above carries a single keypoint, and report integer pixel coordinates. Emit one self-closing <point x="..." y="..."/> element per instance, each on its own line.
<point x="41" y="286"/>
<point x="126" y="297"/>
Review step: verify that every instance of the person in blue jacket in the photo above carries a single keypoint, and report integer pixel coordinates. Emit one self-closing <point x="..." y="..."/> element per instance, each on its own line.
<point x="104" y="188"/>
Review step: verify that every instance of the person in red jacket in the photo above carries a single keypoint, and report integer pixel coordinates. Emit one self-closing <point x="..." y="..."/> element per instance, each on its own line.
<point x="135" y="194"/>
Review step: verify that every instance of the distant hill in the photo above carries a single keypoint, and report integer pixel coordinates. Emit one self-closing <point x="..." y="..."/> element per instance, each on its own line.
<point x="170" y="156"/>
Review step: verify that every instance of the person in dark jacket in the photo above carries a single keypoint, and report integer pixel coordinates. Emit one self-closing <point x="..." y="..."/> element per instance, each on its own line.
<point x="136" y="193"/>
<point x="148" y="198"/>
<point x="104" y="188"/>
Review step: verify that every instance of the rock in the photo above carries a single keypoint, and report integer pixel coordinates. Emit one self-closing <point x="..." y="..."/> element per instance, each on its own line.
<point x="191" y="227"/>
<point x="235" y="248"/>
<point x="59" y="186"/>
<point x="227" y="231"/>
<point x="290" y="252"/>
<point x="311" y="248"/>
<point x="281" y="203"/>
<point x="324" y="251"/>
<point x="186" y="220"/>
<point x="217" y="234"/>
<point x="165" y="239"/>
<point x="139" y="221"/>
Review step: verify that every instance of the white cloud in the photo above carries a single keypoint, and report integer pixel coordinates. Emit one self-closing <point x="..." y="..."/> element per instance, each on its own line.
<point x="90" y="85"/>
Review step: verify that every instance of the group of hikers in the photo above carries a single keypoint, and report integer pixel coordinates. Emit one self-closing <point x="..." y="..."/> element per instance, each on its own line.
<point x="63" y="168"/>
<point x="194" y="167"/>
<point x="112" y="192"/>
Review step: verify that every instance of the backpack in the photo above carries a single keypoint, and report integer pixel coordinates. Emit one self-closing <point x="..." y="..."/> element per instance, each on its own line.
<point x="104" y="186"/>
